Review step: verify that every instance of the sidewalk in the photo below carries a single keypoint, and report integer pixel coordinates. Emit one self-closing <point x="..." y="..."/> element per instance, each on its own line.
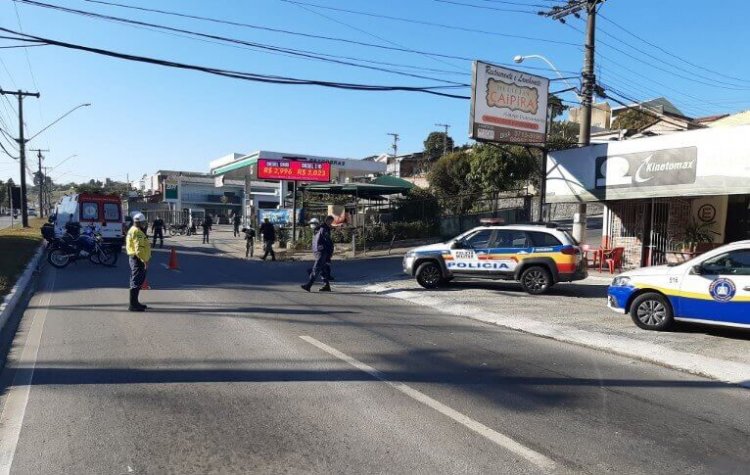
<point x="577" y="313"/>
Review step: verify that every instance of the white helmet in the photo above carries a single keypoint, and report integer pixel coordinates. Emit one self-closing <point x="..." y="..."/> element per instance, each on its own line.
<point x="139" y="218"/>
<point x="314" y="223"/>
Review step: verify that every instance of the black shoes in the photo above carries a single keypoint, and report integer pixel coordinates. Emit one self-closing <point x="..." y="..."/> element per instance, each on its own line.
<point x="325" y="288"/>
<point x="136" y="306"/>
<point x="306" y="287"/>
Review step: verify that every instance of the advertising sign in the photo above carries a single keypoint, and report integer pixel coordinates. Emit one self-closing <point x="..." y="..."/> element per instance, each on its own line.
<point x="293" y="170"/>
<point x="675" y="166"/>
<point x="280" y="217"/>
<point x="171" y="191"/>
<point x="508" y="105"/>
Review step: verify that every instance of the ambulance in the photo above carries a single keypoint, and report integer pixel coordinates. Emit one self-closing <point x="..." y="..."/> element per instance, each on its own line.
<point x="536" y="255"/>
<point x="713" y="288"/>
<point x="102" y="212"/>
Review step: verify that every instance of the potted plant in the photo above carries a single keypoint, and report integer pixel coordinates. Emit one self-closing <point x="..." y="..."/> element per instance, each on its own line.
<point x="697" y="233"/>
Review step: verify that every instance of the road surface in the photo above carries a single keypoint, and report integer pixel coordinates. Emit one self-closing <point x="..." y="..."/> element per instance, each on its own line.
<point x="235" y="369"/>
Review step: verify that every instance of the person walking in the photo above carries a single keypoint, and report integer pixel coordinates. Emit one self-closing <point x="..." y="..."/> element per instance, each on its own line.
<point x="268" y="233"/>
<point x="139" y="254"/>
<point x="322" y="247"/>
<point x="249" y="241"/>
<point x="158" y="229"/>
<point x="236" y="221"/>
<point x="206" y="225"/>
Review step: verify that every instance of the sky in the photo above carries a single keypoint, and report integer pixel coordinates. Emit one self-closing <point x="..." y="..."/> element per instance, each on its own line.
<point x="146" y="117"/>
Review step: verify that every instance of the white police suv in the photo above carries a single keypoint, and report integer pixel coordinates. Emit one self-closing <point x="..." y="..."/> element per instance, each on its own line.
<point x="537" y="256"/>
<point x="713" y="288"/>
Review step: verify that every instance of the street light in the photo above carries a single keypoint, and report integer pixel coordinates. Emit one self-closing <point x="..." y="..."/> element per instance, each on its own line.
<point x="58" y="120"/>
<point x="518" y="59"/>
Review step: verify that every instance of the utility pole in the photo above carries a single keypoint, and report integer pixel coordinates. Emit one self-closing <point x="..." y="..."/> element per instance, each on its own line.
<point x="22" y="150"/>
<point x="445" y="137"/>
<point x="395" y="152"/>
<point x="42" y="178"/>
<point x="588" y="84"/>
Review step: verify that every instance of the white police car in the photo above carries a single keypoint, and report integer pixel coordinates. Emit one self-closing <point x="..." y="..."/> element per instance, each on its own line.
<point x="713" y="288"/>
<point x="536" y="255"/>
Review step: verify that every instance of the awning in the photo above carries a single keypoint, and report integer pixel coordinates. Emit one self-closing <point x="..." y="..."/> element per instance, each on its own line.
<point x="388" y="180"/>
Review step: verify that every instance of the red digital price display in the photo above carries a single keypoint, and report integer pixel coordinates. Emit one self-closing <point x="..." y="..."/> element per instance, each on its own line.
<point x="298" y="170"/>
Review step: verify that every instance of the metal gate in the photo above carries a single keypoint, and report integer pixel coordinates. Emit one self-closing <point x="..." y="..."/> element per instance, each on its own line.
<point x="658" y="236"/>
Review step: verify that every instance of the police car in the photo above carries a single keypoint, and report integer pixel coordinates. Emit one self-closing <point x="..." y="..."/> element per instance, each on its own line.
<point x="713" y="288"/>
<point x="537" y="256"/>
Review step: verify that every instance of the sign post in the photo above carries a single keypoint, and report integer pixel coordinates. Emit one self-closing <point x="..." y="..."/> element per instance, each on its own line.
<point x="294" y="171"/>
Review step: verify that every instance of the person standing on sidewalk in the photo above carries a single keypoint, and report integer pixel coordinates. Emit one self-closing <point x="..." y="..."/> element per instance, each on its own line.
<point x="158" y="229"/>
<point x="236" y="222"/>
<point x="206" y="225"/>
<point x="249" y="241"/>
<point x="268" y="233"/>
<point x="322" y="247"/>
<point x="139" y="253"/>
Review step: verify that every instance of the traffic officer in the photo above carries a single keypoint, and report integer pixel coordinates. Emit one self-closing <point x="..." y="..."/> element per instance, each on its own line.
<point x="139" y="253"/>
<point x="322" y="247"/>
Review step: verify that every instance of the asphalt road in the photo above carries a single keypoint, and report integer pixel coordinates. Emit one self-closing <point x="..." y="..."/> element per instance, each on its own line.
<point x="234" y="369"/>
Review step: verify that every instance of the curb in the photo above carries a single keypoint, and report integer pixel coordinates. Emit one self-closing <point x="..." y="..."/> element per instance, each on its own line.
<point x="726" y="371"/>
<point x="9" y="304"/>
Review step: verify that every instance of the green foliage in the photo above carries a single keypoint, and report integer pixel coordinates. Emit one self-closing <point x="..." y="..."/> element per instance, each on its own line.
<point x="435" y="144"/>
<point x="417" y="204"/>
<point x="633" y="119"/>
<point x="449" y="178"/>
<point x="556" y="107"/>
<point x="378" y="233"/>
<point x="107" y="187"/>
<point x="696" y="233"/>
<point x="502" y="168"/>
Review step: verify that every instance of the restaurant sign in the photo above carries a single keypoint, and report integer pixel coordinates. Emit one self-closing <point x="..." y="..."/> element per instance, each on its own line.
<point x="508" y="106"/>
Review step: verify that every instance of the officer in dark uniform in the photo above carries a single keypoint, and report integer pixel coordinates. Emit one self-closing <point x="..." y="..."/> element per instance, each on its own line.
<point x="158" y="229"/>
<point x="322" y="247"/>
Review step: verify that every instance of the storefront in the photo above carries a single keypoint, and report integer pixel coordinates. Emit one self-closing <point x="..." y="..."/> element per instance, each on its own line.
<point x="667" y="197"/>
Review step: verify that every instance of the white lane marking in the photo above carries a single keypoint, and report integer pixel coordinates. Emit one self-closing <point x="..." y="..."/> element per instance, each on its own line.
<point x="504" y="441"/>
<point x="14" y="410"/>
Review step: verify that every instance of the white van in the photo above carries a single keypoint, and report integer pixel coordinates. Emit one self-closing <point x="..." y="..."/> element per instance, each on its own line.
<point x="103" y="212"/>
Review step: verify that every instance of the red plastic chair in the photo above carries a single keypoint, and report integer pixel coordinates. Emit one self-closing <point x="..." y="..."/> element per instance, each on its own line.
<point x="615" y="259"/>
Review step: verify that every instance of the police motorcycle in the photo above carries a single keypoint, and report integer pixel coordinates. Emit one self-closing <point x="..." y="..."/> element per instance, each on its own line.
<point x="77" y="244"/>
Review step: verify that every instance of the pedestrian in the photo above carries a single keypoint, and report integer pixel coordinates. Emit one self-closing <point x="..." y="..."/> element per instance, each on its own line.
<point x="249" y="241"/>
<point x="268" y="233"/>
<point x="158" y="229"/>
<point x="206" y="225"/>
<point x="139" y="254"/>
<point x="236" y="221"/>
<point x="322" y="247"/>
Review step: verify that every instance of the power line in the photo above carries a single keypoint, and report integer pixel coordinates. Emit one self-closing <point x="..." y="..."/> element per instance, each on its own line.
<point x="616" y="25"/>
<point x="384" y="40"/>
<point x="499" y="9"/>
<point x="428" y="23"/>
<point x="656" y="66"/>
<point x="314" y="36"/>
<point x="295" y="52"/>
<point x="255" y="77"/>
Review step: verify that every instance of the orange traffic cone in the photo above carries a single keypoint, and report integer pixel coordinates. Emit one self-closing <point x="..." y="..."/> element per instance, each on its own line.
<point x="173" y="260"/>
<point x="145" y="285"/>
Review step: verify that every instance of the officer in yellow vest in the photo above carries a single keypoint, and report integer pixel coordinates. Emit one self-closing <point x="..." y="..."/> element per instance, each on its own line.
<point x="139" y="253"/>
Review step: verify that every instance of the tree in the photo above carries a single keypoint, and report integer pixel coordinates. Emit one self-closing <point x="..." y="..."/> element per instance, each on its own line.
<point x="418" y="204"/>
<point x="633" y="119"/>
<point x="3" y="193"/>
<point x="449" y="181"/>
<point x="502" y="168"/>
<point x="435" y="145"/>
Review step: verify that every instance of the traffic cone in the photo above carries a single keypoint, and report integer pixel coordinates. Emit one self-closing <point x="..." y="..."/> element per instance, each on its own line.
<point x="145" y="285"/>
<point x="173" y="260"/>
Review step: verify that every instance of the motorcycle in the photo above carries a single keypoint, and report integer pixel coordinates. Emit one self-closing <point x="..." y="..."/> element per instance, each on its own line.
<point x="62" y="251"/>
<point x="181" y="229"/>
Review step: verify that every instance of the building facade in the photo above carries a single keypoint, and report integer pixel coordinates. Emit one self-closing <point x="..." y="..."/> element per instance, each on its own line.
<point x="666" y="197"/>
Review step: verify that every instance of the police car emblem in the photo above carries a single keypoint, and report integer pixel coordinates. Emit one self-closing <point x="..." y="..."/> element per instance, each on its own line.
<point x="722" y="290"/>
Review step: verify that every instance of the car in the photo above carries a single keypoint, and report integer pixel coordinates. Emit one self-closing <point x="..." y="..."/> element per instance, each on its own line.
<point x="536" y="255"/>
<point x="713" y="288"/>
<point x="32" y="212"/>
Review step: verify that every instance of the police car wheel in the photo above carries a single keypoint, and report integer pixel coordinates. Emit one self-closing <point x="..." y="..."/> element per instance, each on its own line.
<point x="429" y="275"/>
<point x="536" y="280"/>
<point x="651" y="311"/>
